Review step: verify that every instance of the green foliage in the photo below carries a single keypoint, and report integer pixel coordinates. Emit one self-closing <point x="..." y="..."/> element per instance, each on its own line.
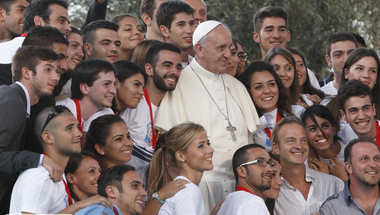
<point x="310" y="22"/>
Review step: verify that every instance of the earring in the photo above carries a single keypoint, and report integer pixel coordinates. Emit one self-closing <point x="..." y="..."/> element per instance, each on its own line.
<point x="102" y="153"/>
<point x="73" y="182"/>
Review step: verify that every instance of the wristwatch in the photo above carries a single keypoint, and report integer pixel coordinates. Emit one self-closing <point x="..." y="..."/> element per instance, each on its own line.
<point x="157" y="199"/>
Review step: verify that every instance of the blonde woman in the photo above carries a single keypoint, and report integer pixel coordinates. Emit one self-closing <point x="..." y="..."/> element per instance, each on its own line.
<point x="186" y="150"/>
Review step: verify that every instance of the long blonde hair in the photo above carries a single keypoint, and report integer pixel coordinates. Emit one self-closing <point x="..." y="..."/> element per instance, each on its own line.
<point x="179" y="139"/>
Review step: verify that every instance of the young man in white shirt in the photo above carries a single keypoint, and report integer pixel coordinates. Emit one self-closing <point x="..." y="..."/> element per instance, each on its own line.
<point x="304" y="189"/>
<point x="358" y="109"/>
<point x="34" y="191"/>
<point x="176" y="23"/>
<point x="252" y="167"/>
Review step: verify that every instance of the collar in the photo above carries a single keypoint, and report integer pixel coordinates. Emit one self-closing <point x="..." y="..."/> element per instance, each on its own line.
<point x="27" y="98"/>
<point x="309" y="177"/>
<point x="202" y="71"/>
<point x="346" y="192"/>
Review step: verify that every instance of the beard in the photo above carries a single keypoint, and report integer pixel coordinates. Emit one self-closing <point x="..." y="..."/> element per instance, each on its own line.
<point x="159" y="81"/>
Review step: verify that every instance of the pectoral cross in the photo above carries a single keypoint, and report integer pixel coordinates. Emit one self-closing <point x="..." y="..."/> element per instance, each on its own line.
<point x="231" y="129"/>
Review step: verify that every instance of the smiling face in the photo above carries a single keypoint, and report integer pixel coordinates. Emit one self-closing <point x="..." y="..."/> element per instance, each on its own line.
<point x="364" y="70"/>
<point x="67" y="136"/>
<point x="103" y="90"/>
<point x="360" y="114"/>
<point x="74" y="51"/>
<point x="293" y="147"/>
<point x="130" y="199"/>
<point x="105" y="46"/>
<point x="274" y="191"/>
<point x="129" y="33"/>
<point x="258" y="177"/>
<point x="301" y="69"/>
<point x="264" y="91"/>
<point x="181" y="31"/>
<point x="118" y="148"/>
<point x="364" y="165"/>
<point x="273" y="33"/>
<point x="86" y="177"/>
<point x="198" y="156"/>
<point x="323" y="138"/>
<point x="167" y="70"/>
<point x="59" y="18"/>
<point x="130" y="91"/>
<point x="215" y="55"/>
<point x="284" y="69"/>
<point x="13" y="22"/>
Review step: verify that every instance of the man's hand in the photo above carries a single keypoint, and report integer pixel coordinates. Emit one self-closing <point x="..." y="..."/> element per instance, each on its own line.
<point x="53" y="168"/>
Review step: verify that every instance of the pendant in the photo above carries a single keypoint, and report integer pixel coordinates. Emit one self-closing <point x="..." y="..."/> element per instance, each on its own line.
<point x="231" y="129"/>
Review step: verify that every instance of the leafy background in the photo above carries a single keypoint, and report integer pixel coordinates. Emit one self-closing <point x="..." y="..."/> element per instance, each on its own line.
<point x="310" y="22"/>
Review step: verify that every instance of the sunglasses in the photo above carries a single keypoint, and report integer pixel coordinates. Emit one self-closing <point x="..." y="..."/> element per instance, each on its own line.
<point x="260" y="162"/>
<point x="54" y="112"/>
<point x="242" y="56"/>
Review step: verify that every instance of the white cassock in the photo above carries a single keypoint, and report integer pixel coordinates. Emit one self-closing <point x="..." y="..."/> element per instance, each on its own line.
<point x="190" y="101"/>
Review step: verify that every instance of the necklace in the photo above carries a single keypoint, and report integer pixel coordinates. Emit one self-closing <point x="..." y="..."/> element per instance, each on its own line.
<point x="230" y="127"/>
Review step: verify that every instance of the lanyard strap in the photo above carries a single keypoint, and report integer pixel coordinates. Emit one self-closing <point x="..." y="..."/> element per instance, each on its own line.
<point x="115" y="210"/>
<point x="154" y="131"/>
<point x="238" y="188"/>
<point x="79" y="113"/>
<point x="377" y="133"/>
<point x="70" y="199"/>
<point x="269" y="133"/>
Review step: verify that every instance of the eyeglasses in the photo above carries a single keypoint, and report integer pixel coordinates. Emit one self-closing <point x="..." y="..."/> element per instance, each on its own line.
<point x="261" y="162"/>
<point x="54" y="112"/>
<point x="242" y="56"/>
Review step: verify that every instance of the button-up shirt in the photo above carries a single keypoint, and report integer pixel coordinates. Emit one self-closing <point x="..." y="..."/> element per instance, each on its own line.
<point x="291" y="200"/>
<point x="343" y="203"/>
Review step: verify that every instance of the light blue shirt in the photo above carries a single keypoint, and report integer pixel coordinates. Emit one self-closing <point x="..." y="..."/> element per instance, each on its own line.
<point x="98" y="209"/>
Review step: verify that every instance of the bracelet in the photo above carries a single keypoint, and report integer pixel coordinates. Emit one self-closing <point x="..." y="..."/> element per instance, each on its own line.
<point x="157" y="199"/>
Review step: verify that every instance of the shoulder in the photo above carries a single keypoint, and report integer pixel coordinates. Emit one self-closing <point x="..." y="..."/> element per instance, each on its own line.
<point x="95" y="209"/>
<point x="333" y="204"/>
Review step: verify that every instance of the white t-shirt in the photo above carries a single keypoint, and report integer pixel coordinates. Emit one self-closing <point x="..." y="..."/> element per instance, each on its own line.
<point x="330" y="89"/>
<point x="9" y="48"/>
<point x="140" y="125"/>
<point x="188" y="201"/>
<point x="340" y="155"/>
<point x="68" y="102"/>
<point x="347" y="133"/>
<point x="313" y="80"/>
<point x="102" y="112"/>
<point x="243" y="203"/>
<point x="35" y="192"/>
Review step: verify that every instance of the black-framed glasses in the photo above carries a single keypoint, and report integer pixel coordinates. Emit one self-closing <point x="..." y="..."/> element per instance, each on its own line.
<point x="54" y="112"/>
<point x="243" y="56"/>
<point x="260" y="162"/>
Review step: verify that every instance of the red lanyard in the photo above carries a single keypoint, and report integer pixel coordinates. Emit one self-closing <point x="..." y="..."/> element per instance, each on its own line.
<point x="238" y="188"/>
<point x="269" y="133"/>
<point x="79" y="114"/>
<point x="23" y="35"/>
<point x="154" y="131"/>
<point x="115" y="210"/>
<point x="377" y="133"/>
<point x="70" y="199"/>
